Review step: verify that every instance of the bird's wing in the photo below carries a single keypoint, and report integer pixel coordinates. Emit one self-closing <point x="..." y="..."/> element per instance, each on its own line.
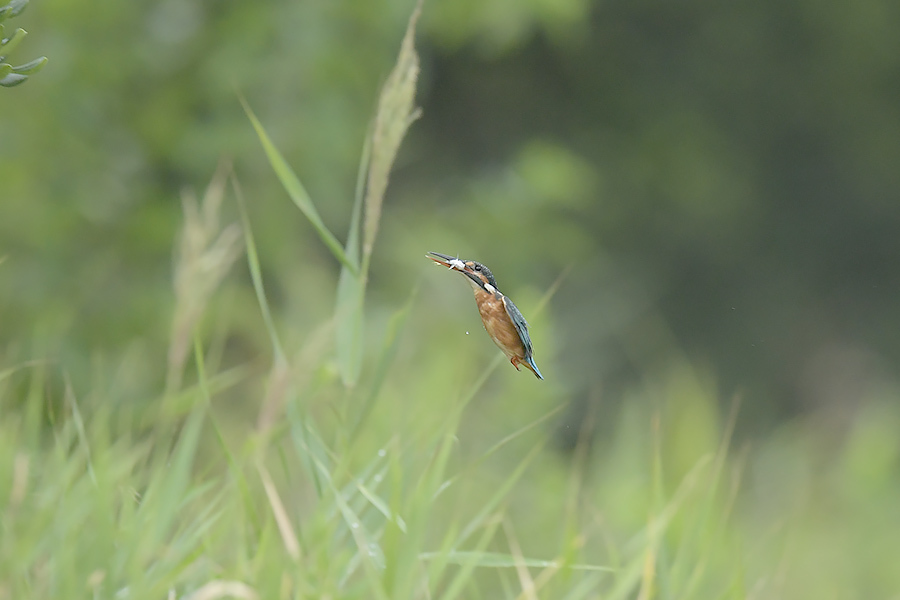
<point x="520" y="323"/>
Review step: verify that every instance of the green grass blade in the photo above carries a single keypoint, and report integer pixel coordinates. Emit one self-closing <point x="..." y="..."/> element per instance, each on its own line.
<point x="381" y="506"/>
<point x="587" y="587"/>
<point x="349" y="315"/>
<point x="8" y="372"/>
<point x="661" y="521"/>
<point x="164" y="494"/>
<point x="490" y="451"/>
<point x="79" y="428"/>
<point x="367" y="548"/>
<point x="236" y="473"/>
<point x="628" y="580"/>
<point x="308" y="445"/>
<point x="282" y="520"/>
<point x="463" y="576"/>
<point x="296" y="190"/>
<point x="392" y="339"/>
<point x="402" y="571"/>
<point x="256" y="272"/>
<point x="501" y="560"/>
<point x="498" y="496"/>
<point x="181" y="403"/>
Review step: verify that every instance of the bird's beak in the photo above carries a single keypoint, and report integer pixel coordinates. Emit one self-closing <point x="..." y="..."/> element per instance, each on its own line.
<point x="455" y="264"/>
<point x="441" y="259"/>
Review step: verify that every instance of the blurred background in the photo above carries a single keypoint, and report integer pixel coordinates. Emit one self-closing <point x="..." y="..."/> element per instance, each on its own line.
<point x="729" y="171"/>
<point x="721" y="179"/>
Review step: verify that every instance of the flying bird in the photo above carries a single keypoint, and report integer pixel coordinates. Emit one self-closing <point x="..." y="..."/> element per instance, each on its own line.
<point x="501" y="319"/>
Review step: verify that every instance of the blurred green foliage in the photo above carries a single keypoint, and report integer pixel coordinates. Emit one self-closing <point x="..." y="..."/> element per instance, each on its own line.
<point x="731" y="167"/>
<point x="11" y="76"/>
<point x="721" y="179"/>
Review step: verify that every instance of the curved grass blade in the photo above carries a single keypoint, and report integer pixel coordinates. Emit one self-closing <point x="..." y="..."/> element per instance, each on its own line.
<point x="365" y="543"/>
<point x="494" y="501"/>
<point x="351" y="291"/>
<point x="394" y="328"/>
<point x="497" y="560"/>
<point x="256" y="272"/>
<point x="463" y="576"/>
<point x="490" y="451"/>
<point x="296" y="190"/>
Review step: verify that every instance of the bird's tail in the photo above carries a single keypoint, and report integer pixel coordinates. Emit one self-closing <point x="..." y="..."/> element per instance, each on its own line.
<point x="529" y="362"/>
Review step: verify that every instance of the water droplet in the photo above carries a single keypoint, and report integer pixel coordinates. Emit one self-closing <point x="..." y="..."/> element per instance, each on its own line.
<point x="467" y="333"/>
<point x="378" y="478"/>
<point x="382" y="453"/>
<point x="355" y="525"/>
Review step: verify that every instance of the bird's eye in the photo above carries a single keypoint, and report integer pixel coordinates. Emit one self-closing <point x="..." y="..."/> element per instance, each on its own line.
<point x="477" y="267"/>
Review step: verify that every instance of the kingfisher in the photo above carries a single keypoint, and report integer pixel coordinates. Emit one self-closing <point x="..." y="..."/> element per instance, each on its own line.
<point x="501" y="319"/>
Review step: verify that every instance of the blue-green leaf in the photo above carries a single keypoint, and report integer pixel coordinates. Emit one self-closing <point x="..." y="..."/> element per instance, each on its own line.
<point x="31" y="67"/>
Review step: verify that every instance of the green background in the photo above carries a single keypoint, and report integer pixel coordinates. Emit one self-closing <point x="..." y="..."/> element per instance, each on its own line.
<point x="721" y="181"/>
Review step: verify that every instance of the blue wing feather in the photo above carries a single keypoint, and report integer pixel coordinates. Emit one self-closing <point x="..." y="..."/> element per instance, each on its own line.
<point x="520" y="323"/>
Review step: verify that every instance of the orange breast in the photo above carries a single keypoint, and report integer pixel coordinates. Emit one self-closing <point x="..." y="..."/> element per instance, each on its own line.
<point x="498" y="324"/>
